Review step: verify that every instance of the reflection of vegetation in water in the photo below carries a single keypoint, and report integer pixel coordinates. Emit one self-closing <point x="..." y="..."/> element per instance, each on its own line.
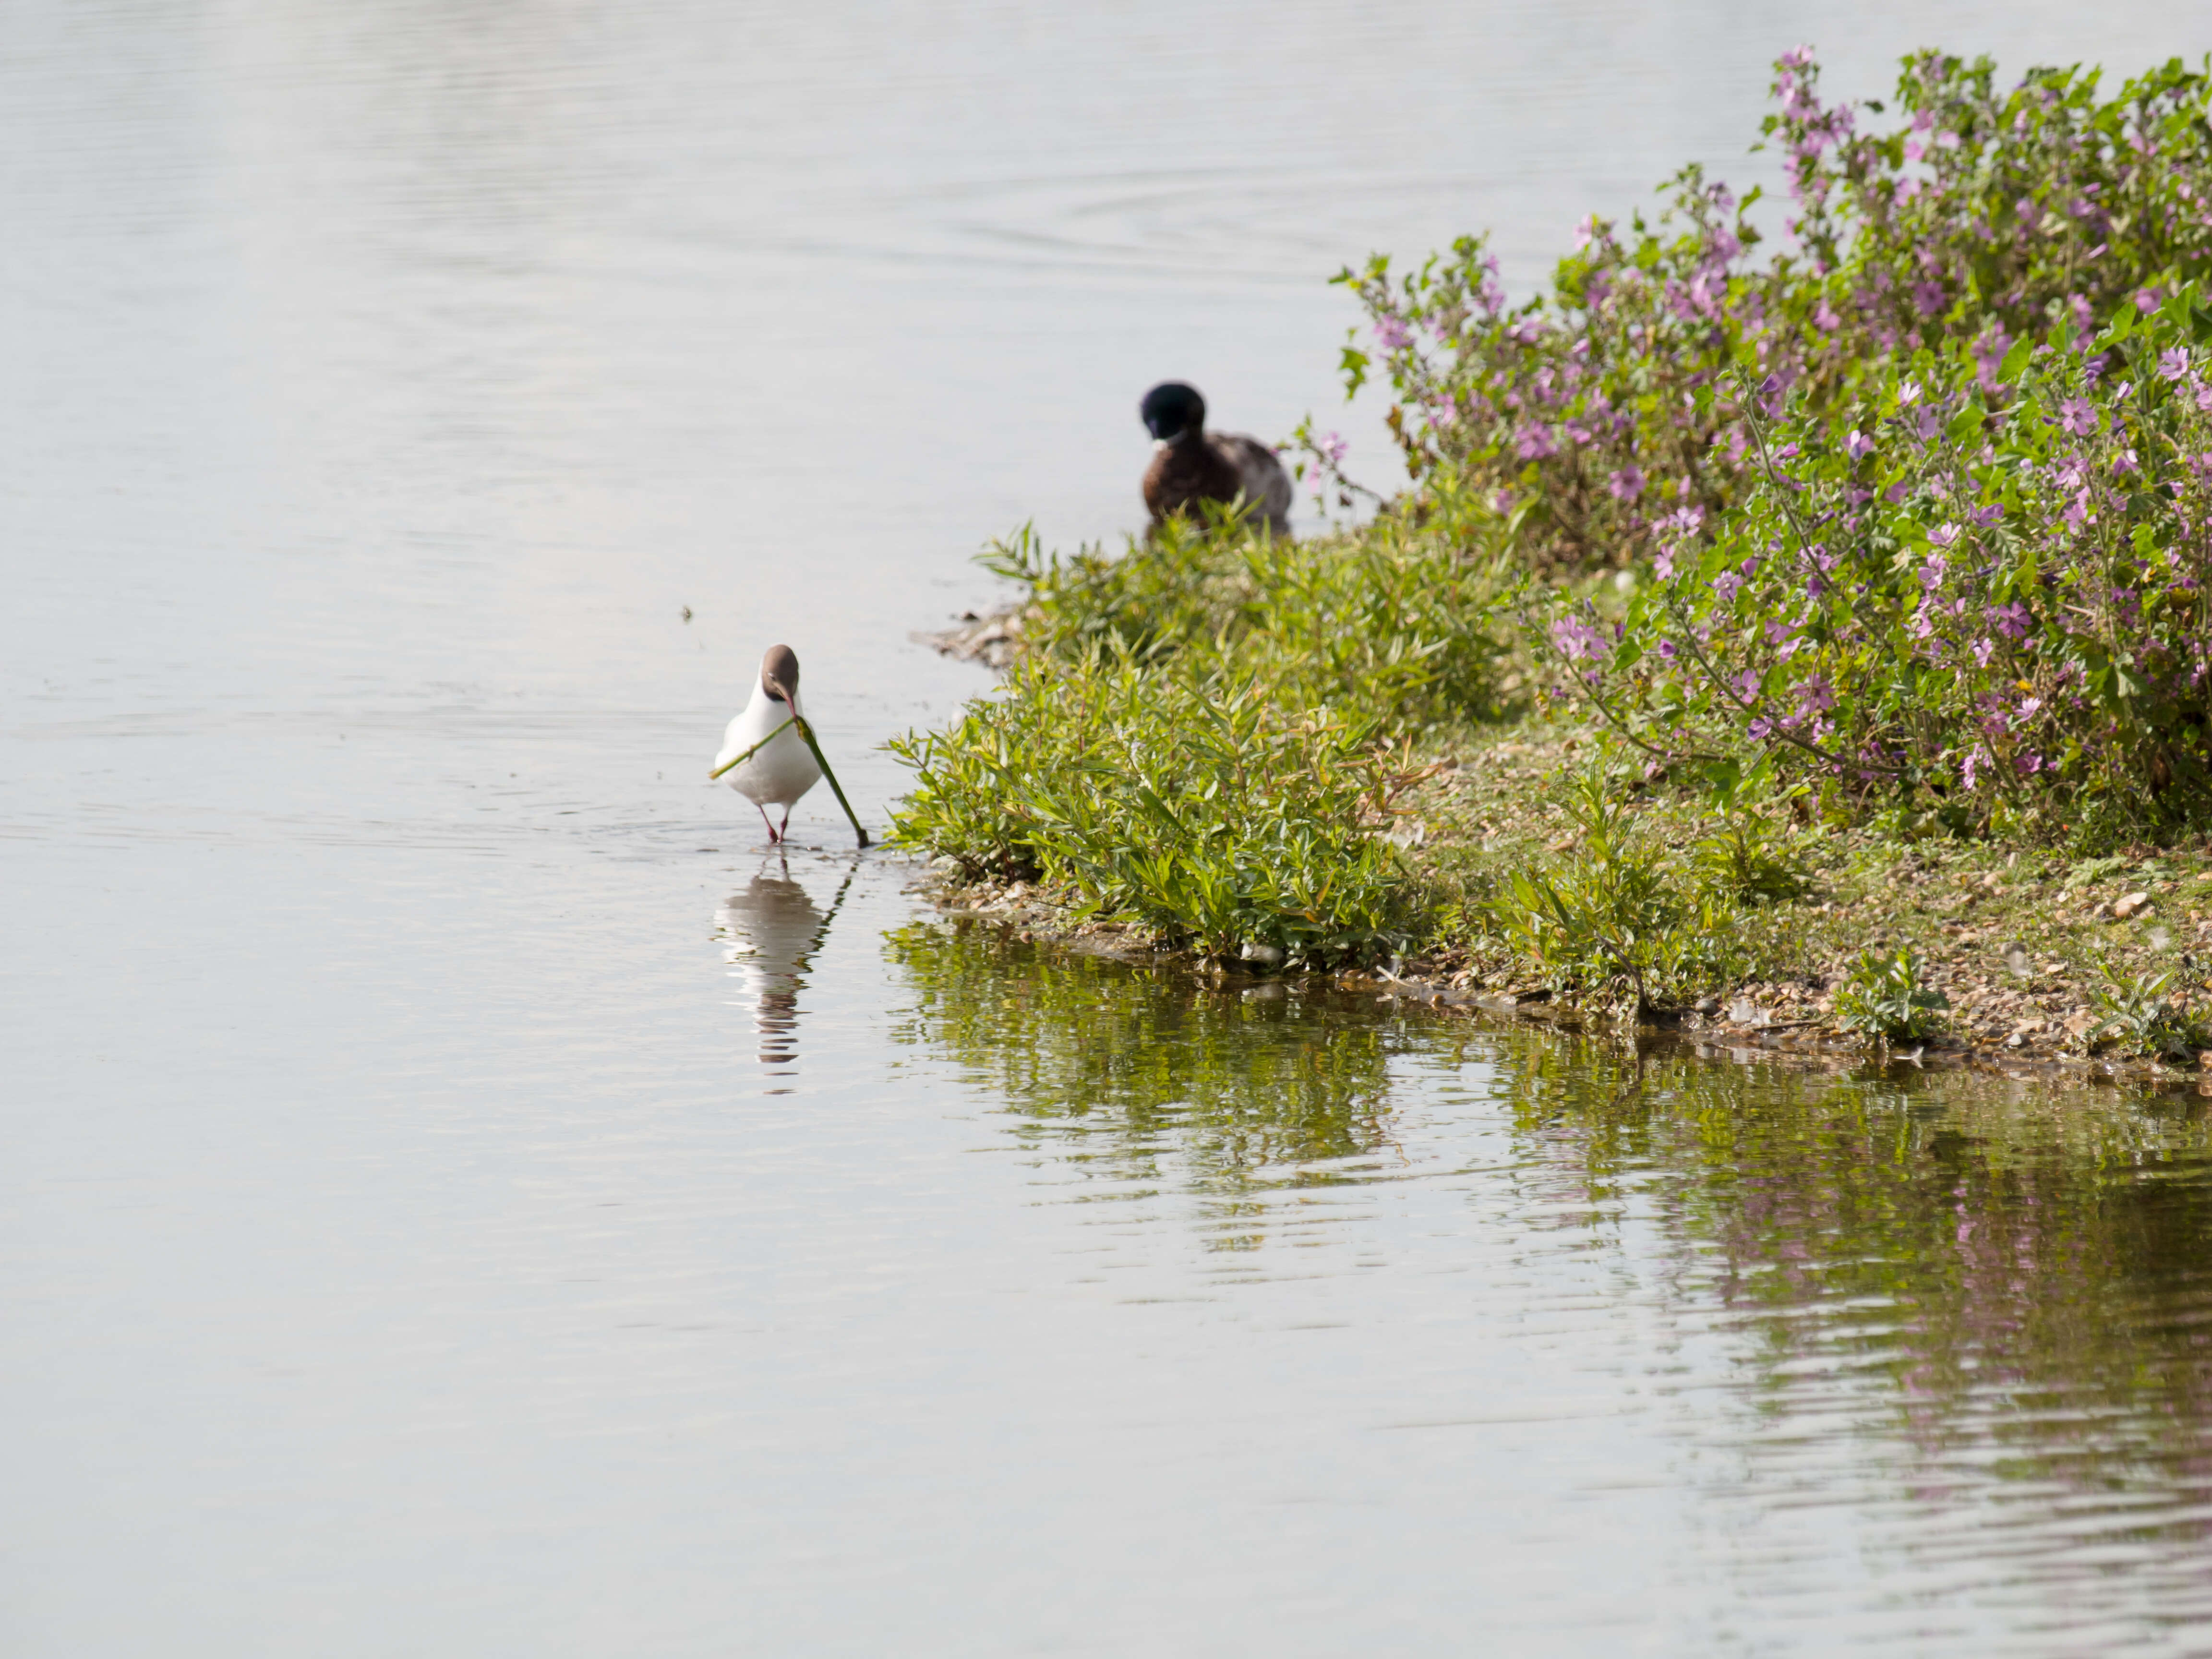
<point x="1134" y="1066"/>
<point x="2005" y="1283"/>
<point x="2033" y="1266"/>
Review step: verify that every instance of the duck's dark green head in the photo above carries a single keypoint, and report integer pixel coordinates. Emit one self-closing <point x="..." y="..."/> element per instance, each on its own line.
<point x="1172" y="409"/>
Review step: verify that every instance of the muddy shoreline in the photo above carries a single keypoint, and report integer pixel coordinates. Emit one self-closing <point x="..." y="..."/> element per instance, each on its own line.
<point x="1015" y="911"/>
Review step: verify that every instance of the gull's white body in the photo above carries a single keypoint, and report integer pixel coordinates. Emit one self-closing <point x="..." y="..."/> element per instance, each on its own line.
<point x="782" y="772"/>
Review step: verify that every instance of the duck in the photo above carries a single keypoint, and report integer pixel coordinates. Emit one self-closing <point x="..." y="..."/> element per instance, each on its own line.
<point x="784" y="768"/>
<point x="1191" y="464"/>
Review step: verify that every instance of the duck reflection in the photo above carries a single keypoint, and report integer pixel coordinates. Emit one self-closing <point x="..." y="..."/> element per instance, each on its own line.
<point x="772" y="930"/>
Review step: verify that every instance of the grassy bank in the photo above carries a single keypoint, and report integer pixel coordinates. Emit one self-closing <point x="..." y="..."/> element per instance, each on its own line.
<point x="1820" y="637"/>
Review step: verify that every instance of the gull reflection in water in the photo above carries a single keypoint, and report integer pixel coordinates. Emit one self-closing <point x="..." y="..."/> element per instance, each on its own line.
<point x="772" y="930"/>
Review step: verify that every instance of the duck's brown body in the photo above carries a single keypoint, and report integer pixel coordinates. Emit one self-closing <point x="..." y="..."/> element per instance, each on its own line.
<point x="1191" y="466"/>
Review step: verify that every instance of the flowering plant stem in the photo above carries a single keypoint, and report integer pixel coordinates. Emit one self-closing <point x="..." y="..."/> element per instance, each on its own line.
<point x="730" y="765"/>
<point x="807" y="732"/>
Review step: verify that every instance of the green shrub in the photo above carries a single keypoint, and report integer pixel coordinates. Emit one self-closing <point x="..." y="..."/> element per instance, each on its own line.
<point x="1197" y="736"/>
<point x="1884" y="997"/>
<point x="1587" y="413"/>
<point x="2141" y="1016"/>
<point x="1391" y="616"/>
<point x="1621" y="915"/>
<point x="1921" y="492"/>
<point x="1204" y="806"/>
<point x="1750" y="855"/>
<point x="1992" y="585"/>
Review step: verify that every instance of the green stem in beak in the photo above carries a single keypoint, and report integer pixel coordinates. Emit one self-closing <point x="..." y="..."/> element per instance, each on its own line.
<point x="763" y="744"/>
<point x="807" y="732"/>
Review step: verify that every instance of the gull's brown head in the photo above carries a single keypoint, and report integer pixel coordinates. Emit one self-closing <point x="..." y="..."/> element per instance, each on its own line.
<point x="780" y="675"/>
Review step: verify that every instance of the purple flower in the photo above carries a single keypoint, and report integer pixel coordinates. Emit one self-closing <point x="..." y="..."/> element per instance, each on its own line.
<point x="1943" y="534"/>
<point x="1815" y="696"/>
<point x="1746" y="685"/>
<point x="1727" y="586"/>
<point x="1990" y="354"/>
<point x="1575" y="639"/>
<point x="2010" y="620"/>
<point x="1984" y="517"/>
<point x="2079" y="417"/>
<point x="1931" y="573"/>
<point x="1535" y="443"/>
<point x="1392" y="333"/>
<point x="1626" y="484"/>
<point x="1857" y="444"/>
<point x="2173" y="364"/>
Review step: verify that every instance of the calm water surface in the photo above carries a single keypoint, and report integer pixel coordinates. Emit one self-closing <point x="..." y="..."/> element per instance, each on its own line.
<point x="462" y="1196"/>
